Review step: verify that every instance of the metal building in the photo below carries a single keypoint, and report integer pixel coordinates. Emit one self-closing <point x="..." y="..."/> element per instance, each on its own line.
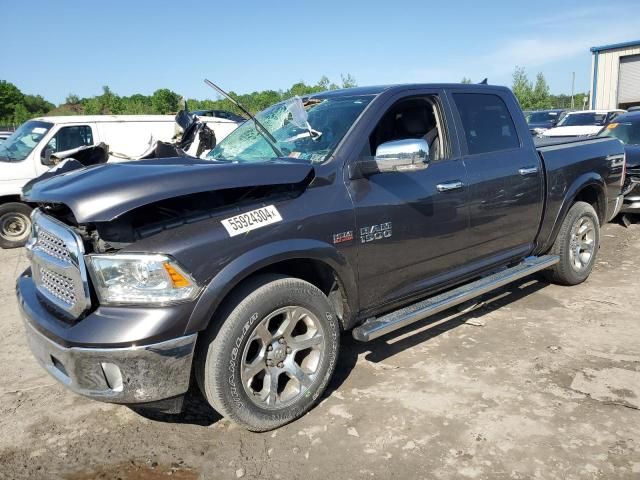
<point x="615" y="75"/>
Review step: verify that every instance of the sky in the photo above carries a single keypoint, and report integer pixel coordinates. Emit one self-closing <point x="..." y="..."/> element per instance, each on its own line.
<point x="137" y="46"/>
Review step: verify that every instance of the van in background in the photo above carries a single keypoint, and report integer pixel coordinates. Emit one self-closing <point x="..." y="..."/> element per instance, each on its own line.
<point x="26" y="154"/>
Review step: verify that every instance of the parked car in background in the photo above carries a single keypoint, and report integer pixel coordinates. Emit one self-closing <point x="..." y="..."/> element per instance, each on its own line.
<point x="582" y="123"/>
<point x="364" y="209"/>
<point x="542" y="120"/>
<point x="626" y="128"/>
<point x="26" y="154"/>
<point x="4" y="135"/>
<point x="220" y="114"/>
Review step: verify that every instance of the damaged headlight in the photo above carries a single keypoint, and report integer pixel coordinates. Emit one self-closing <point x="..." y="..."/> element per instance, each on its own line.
<point x="140" y="279"/>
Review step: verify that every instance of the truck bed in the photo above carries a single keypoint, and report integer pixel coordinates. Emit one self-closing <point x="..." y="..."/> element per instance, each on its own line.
<point x="599" y="161"/>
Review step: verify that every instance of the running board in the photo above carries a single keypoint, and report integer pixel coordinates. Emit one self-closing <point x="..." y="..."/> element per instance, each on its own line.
<point x="376" y="327"/>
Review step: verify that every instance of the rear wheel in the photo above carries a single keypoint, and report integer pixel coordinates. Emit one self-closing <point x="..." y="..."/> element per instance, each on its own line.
<point x="271" y="353"/>
<point x="15" y="224"/>
<point x="577" y="245"/>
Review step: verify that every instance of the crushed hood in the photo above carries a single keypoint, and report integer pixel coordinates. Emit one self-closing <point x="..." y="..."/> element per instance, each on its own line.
<point x="103" y="192"/>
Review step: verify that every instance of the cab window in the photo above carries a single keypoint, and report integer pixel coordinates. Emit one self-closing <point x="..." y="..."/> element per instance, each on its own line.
<point x="487" y="123"/>
<point x="412" y="118"/>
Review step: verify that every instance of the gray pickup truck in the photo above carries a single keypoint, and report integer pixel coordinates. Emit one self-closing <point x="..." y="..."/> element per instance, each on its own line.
<point x="364" y="209"/>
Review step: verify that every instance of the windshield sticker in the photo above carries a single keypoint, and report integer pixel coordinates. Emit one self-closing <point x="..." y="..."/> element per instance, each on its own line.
<point x="39" y="130"/>
<point x="245" y="222"/>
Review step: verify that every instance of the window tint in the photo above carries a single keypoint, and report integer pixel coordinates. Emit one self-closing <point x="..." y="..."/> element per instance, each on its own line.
<point x="69" y="138"/>
<point x="487" y="124"/>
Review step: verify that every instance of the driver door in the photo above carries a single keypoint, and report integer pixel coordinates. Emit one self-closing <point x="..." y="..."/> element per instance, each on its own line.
<point x="411" y="226"/>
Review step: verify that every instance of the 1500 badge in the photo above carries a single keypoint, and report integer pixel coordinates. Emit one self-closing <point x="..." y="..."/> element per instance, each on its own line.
<point x="375" y="232"/>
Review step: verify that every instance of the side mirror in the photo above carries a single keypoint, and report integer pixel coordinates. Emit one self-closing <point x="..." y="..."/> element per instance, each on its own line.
<point x="397" y="156"/>
<point x="45" y="157"/>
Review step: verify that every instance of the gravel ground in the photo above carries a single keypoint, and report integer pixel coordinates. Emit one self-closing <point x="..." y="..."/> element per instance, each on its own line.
<point x="541" y="381"/>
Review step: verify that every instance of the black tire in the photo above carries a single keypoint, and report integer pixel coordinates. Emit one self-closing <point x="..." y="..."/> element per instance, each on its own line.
<point x="15" y="224"/>
<point x="567" y="271"/>
<point x="224" y="350"/>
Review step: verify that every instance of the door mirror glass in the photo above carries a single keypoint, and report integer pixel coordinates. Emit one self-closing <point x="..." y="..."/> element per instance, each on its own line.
<point x="45" y="156"/>
<point x="402" y="155"/>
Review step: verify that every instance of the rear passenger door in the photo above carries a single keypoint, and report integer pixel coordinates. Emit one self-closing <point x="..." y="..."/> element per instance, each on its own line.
<point x="504" y="171"/>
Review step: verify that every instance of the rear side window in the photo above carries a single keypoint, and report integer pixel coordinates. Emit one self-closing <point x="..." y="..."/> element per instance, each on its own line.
<point x="487" y="123"/>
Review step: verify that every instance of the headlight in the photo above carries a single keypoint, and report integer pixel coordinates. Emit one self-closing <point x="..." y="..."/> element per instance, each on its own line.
<point x="140" y="278"/>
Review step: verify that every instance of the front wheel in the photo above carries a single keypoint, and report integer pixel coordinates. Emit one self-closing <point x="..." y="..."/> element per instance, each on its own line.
<point x="577" y="245"/>
<point x="15" y="224"/>
<point x="270" y="352"/>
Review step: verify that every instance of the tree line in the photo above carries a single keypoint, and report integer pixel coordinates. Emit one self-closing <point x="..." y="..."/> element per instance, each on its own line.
<point x="17" y="107"/>
<point x="535" y="95"/>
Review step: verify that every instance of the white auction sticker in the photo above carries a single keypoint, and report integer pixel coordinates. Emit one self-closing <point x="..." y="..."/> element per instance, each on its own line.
<point x="245" y="222"/>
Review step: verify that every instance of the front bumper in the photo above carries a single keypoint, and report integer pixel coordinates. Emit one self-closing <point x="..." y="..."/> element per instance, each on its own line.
<point x="631" y="203"/>
<point x="127" y="375"/>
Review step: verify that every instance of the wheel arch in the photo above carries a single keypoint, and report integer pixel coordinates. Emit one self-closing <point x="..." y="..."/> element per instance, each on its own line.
<point x="589" y="188"/>
<point x="10" y="199"/>
<point x="316" y="262"/>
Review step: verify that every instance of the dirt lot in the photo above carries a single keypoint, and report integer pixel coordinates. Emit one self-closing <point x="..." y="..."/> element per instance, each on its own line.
<point x="540" y="382"/>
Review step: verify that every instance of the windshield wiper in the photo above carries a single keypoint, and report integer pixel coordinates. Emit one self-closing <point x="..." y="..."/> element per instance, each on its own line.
<point x="259" y="127"/>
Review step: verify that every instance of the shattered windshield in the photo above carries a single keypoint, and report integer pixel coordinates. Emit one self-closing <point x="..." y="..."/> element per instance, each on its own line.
<point x="307" y="130"/>
<point x="22" y="142"/>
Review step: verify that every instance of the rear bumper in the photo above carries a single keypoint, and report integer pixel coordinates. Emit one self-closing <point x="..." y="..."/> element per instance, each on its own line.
<point x="127" y="375"/>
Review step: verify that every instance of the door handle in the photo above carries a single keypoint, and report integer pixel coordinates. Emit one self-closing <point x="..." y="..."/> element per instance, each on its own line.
<point x="528" y="171"/>
<point x="446" y="187"/>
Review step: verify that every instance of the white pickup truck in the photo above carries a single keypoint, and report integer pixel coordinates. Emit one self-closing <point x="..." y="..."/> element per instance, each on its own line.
<point x="26" y="154"/>
<point x="581" y="123"/>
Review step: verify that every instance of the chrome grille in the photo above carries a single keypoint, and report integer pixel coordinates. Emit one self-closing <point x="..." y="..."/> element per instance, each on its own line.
<point x="60" y="286"/>
<point x="57" y="262"/>
<point x="52" y="245"/>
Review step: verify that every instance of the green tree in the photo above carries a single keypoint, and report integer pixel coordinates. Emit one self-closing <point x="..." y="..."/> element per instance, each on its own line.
<point x="36" y="105"/>
<point x="522" y="88"/>
<point x="72" y="99"/>
<point x="348" y="81"/>
<point x="465" y="80"/>
<point x="164" y="101"/>
<point x="20" y="114"/>
<point x="10" y="97"/>
<point x="540" y="94"/>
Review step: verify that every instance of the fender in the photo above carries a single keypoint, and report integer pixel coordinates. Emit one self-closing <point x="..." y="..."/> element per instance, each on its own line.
<point x="265" y="255"/>
<point x="561" y="202"/>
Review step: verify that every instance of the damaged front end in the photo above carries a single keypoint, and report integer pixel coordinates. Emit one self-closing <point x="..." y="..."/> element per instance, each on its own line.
<point x="106" y="313"/>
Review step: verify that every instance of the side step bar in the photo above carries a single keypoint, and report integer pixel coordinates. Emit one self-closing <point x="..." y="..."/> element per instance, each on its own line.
<point x="376" y="327"/>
